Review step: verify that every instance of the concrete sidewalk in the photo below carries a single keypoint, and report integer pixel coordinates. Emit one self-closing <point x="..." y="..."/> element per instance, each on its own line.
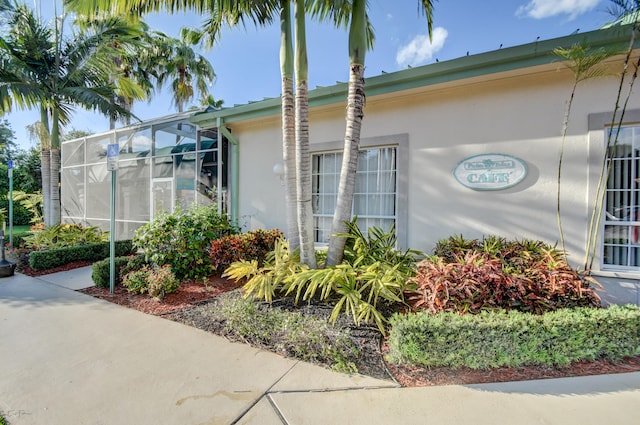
<point x="67" y="358"/>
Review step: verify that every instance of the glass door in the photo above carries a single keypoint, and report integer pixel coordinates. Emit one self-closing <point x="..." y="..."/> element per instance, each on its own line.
<point x="161" y="196"/>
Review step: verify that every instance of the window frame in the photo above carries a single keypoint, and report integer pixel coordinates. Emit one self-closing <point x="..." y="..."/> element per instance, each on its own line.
<point x="401" y="143"/>
<point x="598" y="126"/>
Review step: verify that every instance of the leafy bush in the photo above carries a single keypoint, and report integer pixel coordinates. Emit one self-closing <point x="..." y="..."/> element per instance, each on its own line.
<point x="136" y="281"/>
<point x="470" y="276"/>
<point x="378" y="246"/>
<point x="31" y="204"/>
<point x="162" y="281"/>
<point x="21" y="215"/>
<point x="63" y="235"/>
<point x="101" y="270"/>
<point x="182" y="240"/>
<point x="253" y="245"/>
<point x="499" y="338"/>
<point x="264" y="281"/>
<point x="373" y="273"/>
<point x="157" y="281"/>
<point x="50" y="258"/>
<point x="18" y="237"/>
<point x="292" y="333"/>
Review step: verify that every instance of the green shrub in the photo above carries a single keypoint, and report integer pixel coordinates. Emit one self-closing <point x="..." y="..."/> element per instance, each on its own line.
<point x="18" y="237"/>
<point x="162" y="281"/>
<point x="101" y="270"/>
<point x="155" y="280"/>
<point x="498" y="338"/>
<point x="136" y="281"/>
<point x="50" y="258"/>
<point x="470" y="276"/>
<point x="377" y="246"/>
<point x="63" y="235"/>
<point x="21" y="215"/>
<point x="253" y="245"/>
<point x="264" y="281"/>
<point x="182" y="240"/>
<point x="373" y="274"/>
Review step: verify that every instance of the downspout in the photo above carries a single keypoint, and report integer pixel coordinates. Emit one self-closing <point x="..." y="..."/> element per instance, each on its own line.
<point x="235" y="164"/>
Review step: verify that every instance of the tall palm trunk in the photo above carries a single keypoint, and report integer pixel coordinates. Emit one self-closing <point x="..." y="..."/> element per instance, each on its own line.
<point x="355" y="113"/>
<point x="45" y="172"/>
<point x="303" y="160"/>
<point x="42" y="132"/>
<point x="288" y="124"/>
<point x="584" y="64"/>
<point x="565" y="127"/>
<point x="55" y="216"/>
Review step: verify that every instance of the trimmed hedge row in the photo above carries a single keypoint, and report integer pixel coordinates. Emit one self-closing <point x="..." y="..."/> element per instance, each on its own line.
<point x="101" y="271"/>
<point x="50" y="258"/>
<point x="496" y="338"/>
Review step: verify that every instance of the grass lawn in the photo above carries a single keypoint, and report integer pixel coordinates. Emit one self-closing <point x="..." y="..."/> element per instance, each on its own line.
<point x="19" y="229"/>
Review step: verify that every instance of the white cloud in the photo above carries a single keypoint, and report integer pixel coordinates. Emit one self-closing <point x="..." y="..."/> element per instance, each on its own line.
<point x="420" y="49"/>
<point x="539" y="9"/>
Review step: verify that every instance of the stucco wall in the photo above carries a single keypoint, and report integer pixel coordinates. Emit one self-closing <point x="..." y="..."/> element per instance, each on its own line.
<point x="519" y="114"/>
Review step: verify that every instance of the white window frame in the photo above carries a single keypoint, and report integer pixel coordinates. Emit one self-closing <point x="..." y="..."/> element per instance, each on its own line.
<point x="401" y="144"/>
<point x="599" y="124"/>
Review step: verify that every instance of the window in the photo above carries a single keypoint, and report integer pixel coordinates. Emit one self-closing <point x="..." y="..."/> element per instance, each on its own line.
<point x="621" y="242"/>
<point x="375" y="195"/>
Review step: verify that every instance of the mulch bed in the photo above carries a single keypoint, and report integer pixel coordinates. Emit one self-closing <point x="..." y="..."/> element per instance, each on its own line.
<point x="372" y="348"/>
<point x="26" y="269"/>
<point x="189" y="294"/>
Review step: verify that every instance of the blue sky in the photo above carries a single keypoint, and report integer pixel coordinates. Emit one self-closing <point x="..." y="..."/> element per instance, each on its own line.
<point x="246" y="60"/>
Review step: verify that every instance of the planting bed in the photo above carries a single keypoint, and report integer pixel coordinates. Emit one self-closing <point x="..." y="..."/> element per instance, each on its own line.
<point x="183" y="306"/>
<point x="186" y="304"/>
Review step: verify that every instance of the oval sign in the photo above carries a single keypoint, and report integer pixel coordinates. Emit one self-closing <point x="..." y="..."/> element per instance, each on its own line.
<point x="491" y="171"/>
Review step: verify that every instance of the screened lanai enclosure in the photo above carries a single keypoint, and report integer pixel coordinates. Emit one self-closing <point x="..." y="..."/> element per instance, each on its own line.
<point x="163" y="164"/>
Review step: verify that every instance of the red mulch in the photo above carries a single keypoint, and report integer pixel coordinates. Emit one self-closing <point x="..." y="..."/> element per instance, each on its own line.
<point x="188" y="294"/>
<point x="191" y="293"/>
<point x="70" y="266"/>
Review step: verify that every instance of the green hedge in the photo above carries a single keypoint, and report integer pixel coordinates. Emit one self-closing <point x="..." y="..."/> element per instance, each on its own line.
<point x="48" y="259"/>
<point x="493" y="339"/>
<point x="18" y="237"/>
<point x="101" y="271"/>
<point x="21" y="215"/>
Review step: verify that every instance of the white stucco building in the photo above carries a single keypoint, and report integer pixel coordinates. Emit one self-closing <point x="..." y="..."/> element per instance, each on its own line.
<point x="468" y="146"/>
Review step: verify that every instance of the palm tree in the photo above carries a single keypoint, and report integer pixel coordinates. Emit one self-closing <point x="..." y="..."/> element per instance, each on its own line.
<point x="355" y="104"/>
<point x="627" y="12"/>
<point x="42" y="69"/>
<point x="288" y="124"/>
<point x="294" y="112"/>
<point x="584" y="64"/>
<point x="210" y="101"/>
<point x="262" y="13"/>
<point x="134" y="66"/>
<point x="182" y="66"/>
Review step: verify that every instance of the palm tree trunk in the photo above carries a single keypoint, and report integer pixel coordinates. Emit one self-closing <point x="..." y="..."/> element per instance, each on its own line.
<point x="303" y="161"/>
<point x="346" y="188"/>
<point x="45" y="171"/>
<point x="45" y="159"/>
<point x="55" y="170"/>
<point x="565" y="126"/>
<point x="288" y="124"/>
<point x="355" y="113"/>
<point x="55" y="216"/>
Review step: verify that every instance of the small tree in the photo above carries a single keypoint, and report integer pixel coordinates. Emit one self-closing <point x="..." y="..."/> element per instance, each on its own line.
<point x="628" y="12"/>
<point x="583" y="63"/>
